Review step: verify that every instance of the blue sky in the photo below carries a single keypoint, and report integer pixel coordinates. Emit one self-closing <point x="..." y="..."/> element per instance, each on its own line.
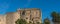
<point x="46" y="6"/>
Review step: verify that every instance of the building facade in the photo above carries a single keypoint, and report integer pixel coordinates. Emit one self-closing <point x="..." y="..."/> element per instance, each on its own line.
<point x="2" y="19"/>
<point x="30" y="15"/>
<point x="11" y="17"/>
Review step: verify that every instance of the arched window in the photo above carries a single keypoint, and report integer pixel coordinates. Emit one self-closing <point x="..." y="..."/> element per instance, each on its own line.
<point x="23" y="13"/>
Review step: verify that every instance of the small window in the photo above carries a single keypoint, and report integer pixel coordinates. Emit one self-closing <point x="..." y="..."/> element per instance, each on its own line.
<point x="32" y="19"/>
<point x="26" y="18"/>
<point x="23" y="13"/>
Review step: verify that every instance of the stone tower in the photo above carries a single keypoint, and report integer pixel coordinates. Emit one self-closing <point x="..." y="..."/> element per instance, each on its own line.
<point x="31" y="15"/>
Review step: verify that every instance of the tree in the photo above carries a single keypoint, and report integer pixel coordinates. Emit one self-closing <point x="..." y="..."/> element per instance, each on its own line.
<point x="46" y="21"/>
<point x="56" y="17"/>
<point x="54" y="14"/>
<point x="21" y="21"/>
<point x="30" y="22"/>
<point x="38" y="22"/>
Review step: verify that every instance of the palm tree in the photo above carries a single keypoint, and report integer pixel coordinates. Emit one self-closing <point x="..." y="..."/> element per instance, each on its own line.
<point x="55" y="16"/>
